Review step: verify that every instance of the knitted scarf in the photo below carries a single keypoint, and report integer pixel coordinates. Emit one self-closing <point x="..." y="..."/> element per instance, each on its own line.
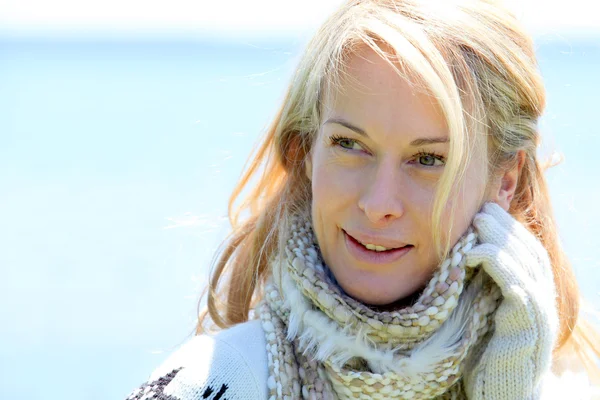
<point x="322" y="344"/>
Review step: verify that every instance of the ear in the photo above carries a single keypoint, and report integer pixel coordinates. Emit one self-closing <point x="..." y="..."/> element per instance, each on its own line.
<point x="508" y="181"/>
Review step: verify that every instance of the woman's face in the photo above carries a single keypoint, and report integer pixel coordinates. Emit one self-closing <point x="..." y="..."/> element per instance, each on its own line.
<point x="374" y="166"/>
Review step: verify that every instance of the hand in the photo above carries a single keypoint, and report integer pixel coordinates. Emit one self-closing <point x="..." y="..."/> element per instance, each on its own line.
<point x="519" y="353"/>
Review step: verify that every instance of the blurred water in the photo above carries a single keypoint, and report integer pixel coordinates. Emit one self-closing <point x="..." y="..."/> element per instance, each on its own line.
<point x="116" y="161"/>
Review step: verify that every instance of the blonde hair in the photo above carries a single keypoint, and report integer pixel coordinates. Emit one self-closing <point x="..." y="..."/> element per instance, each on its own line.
<point x="475" y="59"/>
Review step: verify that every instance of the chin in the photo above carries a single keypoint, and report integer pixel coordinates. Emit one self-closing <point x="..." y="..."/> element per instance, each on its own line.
<point x="379" y="287"/>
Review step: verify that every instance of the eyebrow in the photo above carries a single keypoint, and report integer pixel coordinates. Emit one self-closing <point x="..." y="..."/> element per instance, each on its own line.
<point x="416" y="142"/>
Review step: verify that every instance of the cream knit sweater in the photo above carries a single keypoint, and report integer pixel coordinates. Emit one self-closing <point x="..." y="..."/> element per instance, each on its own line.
<point x="232" y="365"/>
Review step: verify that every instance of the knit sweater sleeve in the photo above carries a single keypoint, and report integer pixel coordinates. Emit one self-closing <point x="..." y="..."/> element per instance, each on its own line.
<point x="231" y="365"/>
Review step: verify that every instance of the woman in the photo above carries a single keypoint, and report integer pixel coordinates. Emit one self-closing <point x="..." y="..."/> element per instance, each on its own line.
<point x="399" y="240"/>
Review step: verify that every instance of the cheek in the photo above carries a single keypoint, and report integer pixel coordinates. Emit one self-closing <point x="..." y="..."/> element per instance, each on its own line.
<point x="467" y="199"/>
<point x="418" y="196"/>
<point x="419" y="202"/>
<point x="334" y="182"/>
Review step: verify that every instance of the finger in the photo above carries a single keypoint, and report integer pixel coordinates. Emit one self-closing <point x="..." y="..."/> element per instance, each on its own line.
<point x="507" y="272"/>
<point x="494" y="225"/>
<point x="511" y="224"/>
<point x="503" y="217"/>
<point x="491" y="231"/>
<point x="497" y="264"/>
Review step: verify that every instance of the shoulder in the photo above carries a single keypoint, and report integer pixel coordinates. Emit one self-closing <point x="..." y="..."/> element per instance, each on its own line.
<point x="229" y="365"/>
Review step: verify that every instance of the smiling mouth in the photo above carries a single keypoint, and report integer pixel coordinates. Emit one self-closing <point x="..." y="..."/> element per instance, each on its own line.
<point x="373" y="247"/>
<point x="377" y="257"/>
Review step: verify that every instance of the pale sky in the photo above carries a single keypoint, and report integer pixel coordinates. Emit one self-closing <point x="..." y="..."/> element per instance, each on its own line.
<point x="242" y="16"/>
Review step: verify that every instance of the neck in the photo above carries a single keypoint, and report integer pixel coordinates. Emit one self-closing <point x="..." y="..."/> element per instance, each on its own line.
<point x="398" y="304"/>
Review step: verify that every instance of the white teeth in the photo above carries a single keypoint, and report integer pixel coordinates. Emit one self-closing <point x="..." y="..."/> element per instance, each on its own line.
<point x="375" y="247"/>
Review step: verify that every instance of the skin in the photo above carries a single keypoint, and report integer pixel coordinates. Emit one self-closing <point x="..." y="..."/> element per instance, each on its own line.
<point x="380" y="184"/>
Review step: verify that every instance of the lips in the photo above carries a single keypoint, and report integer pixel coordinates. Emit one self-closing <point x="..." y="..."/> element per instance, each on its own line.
<point x="364" y="255"/>
<point x="390" y="244"/>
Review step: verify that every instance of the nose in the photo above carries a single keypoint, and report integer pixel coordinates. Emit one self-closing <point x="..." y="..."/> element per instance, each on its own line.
<point x="381" y="201"/>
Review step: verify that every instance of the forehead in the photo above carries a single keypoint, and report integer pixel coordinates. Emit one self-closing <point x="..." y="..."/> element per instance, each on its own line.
<point x="377" y="96"/>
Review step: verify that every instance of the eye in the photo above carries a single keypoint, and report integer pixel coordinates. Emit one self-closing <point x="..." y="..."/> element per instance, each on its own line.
<point x="430" y="160"/>
<point x="346" y="143"/>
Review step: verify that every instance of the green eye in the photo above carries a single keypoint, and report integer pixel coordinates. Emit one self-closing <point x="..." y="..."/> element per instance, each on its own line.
<point x="347" y="143"/>
<point x="428" y="160"/>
